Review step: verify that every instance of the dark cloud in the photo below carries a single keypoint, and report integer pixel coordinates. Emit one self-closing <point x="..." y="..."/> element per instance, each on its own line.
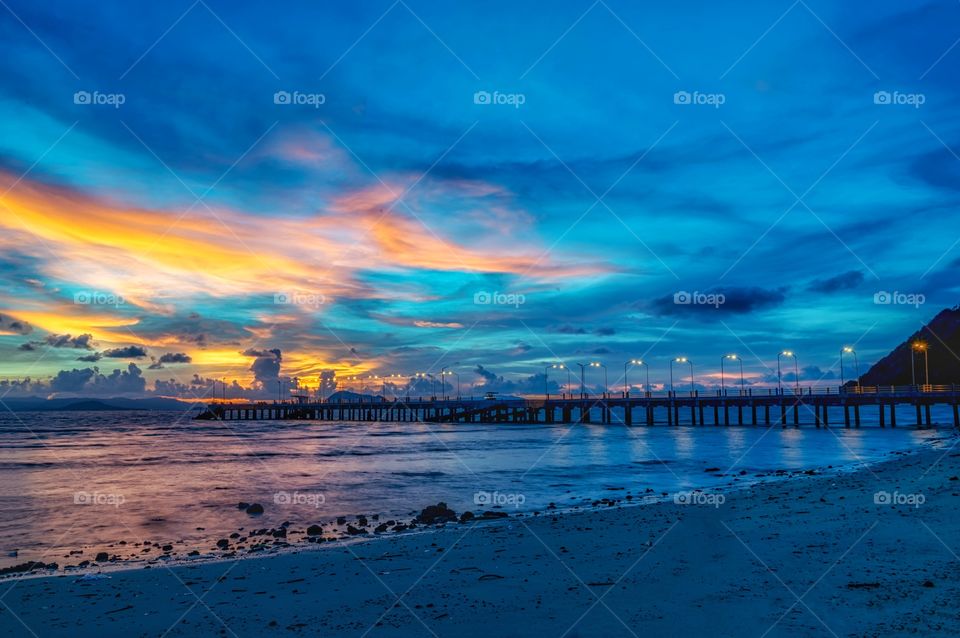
<point x="22" y="388"/>
<point x="90" y="381"/>
<point x="27" y="347"/>
<point x="534" y="384"/>
<point x="10" y="324"/>
<point x="521" y="348"/>
<point x="604" y="332"/>
<point x="81" y="342"/>
<point x="807" y="373"/>
<point x="716" y="301"/>
<point x="175" y="357"/>
<point x="569" y="330"/>
<point x="843" y="281"/>
<point x="266" y="367"/>
<point x="127" y="352"/>
<point x="170" y="357"/>
<point x="90" y="358"/>
<point x="254" y="352"/>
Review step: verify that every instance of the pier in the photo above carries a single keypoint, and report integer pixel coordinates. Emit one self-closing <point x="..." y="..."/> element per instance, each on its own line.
<point x="908" y="405"/>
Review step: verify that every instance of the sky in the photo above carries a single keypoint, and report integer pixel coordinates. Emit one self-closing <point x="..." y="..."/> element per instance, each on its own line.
<point x="196" y="191"/>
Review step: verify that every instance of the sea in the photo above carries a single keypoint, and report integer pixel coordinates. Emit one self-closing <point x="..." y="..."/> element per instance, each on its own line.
<point x="72" y="481"/>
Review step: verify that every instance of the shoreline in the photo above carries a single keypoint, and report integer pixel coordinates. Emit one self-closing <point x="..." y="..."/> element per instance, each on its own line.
<point x="663" y="564"/>
<point x="335" y="533"/>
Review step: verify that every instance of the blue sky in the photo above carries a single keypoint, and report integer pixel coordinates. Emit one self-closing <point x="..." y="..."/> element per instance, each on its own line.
<point x="791" y="160"/>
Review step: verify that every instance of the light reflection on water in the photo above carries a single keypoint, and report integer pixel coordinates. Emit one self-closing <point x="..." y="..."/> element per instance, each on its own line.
<point x="177" y="475"/>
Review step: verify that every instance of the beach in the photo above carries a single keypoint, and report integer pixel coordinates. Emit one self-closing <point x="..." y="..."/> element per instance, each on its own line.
<point x="861" y="553"/>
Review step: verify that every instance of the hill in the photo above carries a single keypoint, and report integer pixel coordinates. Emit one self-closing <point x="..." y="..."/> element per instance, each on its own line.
<point x="942" y="339"/>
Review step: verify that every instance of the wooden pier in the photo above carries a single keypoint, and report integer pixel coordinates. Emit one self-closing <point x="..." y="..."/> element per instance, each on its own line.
<point x="908" y="404"/>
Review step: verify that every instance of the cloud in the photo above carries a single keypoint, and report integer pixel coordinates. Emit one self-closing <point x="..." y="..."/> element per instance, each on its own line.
<point x="83" y="342"/>
<point x="126" y="352"/>
<point x="14" y="326"/>
<point x="843" y="281"/>
<point x="90" y="381"/>
<point x="27" y="347"/>
<point x="170" y="357"/>
<point x="521" y="348"/>
<point x="807" y="373"/>
<point x="716" y="302"/>
<point x="533" y="384"/>
<point x="90" y="358"/>
<point x="569" y="330"/>
<point x="265" y="367"/>
<point x="254" y="352"/>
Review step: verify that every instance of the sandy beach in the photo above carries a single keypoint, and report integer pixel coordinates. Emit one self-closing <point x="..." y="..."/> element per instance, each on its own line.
<point x="871" y="552"/>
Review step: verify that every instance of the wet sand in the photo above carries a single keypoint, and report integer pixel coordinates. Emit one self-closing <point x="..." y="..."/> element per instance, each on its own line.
<point x="812" y="555"/>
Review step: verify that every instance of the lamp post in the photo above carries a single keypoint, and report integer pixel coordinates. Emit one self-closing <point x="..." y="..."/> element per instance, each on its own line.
<point x="732" y="357"/>
<point x="626" y="366"/>
<point x="546" y="379"/>
<point x="920" y="346"/>
<point x="581" y="379"/>
<point x="597" y="364"/>
<point x="560" y="366"/>
<point x="796" y="367"/>
<point x="682" y="360"/>
<point x="443" y="383"/>
<point x="856" y="363"/>
<point x="447" y="373"/>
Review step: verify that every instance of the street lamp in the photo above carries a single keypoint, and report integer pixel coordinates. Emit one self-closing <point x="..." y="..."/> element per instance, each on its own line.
<point x="856" y="363"/>
<point x="560" y="366"/>
<point x="626" y="386"/>
<point x="546" y="379"/>
<point x="920" y="346"/>
<point x="732" y="357"/>
<point x="581" y="379"/>
<point x="597" y="364"/>
<point x="796" y="367"/>
<point x="682" y="360"/>
<point x="446" y="372"/>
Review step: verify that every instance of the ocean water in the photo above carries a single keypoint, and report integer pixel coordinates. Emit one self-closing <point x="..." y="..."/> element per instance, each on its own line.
<point x="71" y="481"/>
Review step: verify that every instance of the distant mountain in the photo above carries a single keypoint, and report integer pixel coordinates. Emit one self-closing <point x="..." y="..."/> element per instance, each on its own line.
<point x="91" y="405"/>
<point x="36" y="404"/>
<point x="942" y="339"/>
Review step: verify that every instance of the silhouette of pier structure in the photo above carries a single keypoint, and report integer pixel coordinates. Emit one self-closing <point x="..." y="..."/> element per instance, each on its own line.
<point x="788" y="407"/>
